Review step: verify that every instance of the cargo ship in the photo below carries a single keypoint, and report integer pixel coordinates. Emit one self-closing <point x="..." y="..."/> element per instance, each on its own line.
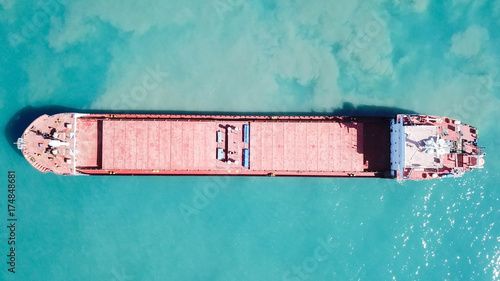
<point x="405" y="146"/>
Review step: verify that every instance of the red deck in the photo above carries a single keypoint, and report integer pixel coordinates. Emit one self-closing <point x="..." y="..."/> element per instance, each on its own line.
<point x="165" y="145"/>
<point x="283" y="145"/>
<point x="87" y="145"/>
<point x="306" y="146"/>
<point x="192" y="145"/>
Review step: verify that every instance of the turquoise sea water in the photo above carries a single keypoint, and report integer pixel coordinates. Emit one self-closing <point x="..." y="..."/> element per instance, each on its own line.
<point x="251" y="56"/>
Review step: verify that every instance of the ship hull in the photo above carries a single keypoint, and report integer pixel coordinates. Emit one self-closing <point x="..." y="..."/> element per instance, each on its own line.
<point x="239" y="145"/>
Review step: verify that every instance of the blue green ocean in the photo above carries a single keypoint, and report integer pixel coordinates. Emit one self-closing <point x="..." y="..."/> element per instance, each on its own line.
<point x="241" y="56"/>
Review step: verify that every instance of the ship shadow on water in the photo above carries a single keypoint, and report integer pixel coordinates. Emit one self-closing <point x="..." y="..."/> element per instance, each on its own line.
<point x="24" y="117"/>
<point x="348" y="109"/>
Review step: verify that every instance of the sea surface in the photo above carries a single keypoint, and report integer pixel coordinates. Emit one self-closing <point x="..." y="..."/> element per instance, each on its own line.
<point x="239" y="56"/>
